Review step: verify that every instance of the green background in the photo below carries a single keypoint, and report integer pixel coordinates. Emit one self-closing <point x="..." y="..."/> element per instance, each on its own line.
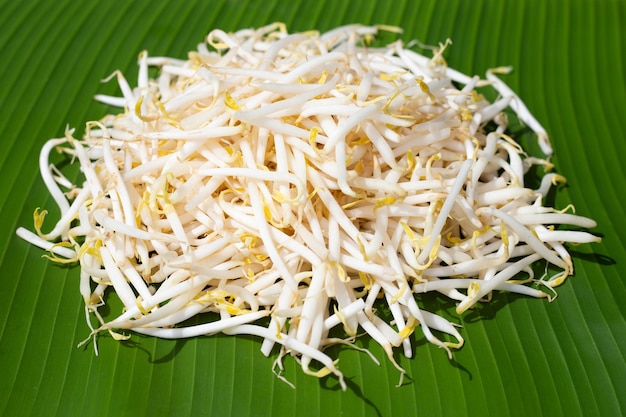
<point x="522" y="356"/>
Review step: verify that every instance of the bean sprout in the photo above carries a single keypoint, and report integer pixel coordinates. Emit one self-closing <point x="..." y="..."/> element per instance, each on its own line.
<point x="291" y="184"/>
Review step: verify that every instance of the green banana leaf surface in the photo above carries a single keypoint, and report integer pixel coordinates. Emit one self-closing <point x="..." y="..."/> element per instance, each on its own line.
<point x="522" y="356"/>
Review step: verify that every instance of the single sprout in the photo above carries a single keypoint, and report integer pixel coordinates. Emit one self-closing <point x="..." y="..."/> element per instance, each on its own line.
<point x="293" y="185"/>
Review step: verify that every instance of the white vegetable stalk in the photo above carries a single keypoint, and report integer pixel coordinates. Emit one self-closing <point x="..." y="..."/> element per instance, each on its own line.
<point x="294" y="186"/>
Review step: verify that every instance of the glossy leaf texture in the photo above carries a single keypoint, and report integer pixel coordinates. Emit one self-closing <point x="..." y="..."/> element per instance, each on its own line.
<point x="522" y="356"/>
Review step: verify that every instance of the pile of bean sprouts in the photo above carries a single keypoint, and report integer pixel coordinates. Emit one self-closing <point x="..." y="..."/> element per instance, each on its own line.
<point x="293" y="183"/>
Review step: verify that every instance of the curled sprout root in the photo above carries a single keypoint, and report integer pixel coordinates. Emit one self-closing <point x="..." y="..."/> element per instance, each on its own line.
<point x="294" y="183"/>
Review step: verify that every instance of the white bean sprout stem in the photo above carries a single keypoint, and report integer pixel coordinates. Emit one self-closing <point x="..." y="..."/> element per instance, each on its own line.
<point x="295" y="185"/>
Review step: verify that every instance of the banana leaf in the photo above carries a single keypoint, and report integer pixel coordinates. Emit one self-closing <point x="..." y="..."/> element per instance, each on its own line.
<point x="522" y="356"/>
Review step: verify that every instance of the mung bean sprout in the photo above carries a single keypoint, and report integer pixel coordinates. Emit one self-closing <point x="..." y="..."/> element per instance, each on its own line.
<point x="298" y="184"/>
